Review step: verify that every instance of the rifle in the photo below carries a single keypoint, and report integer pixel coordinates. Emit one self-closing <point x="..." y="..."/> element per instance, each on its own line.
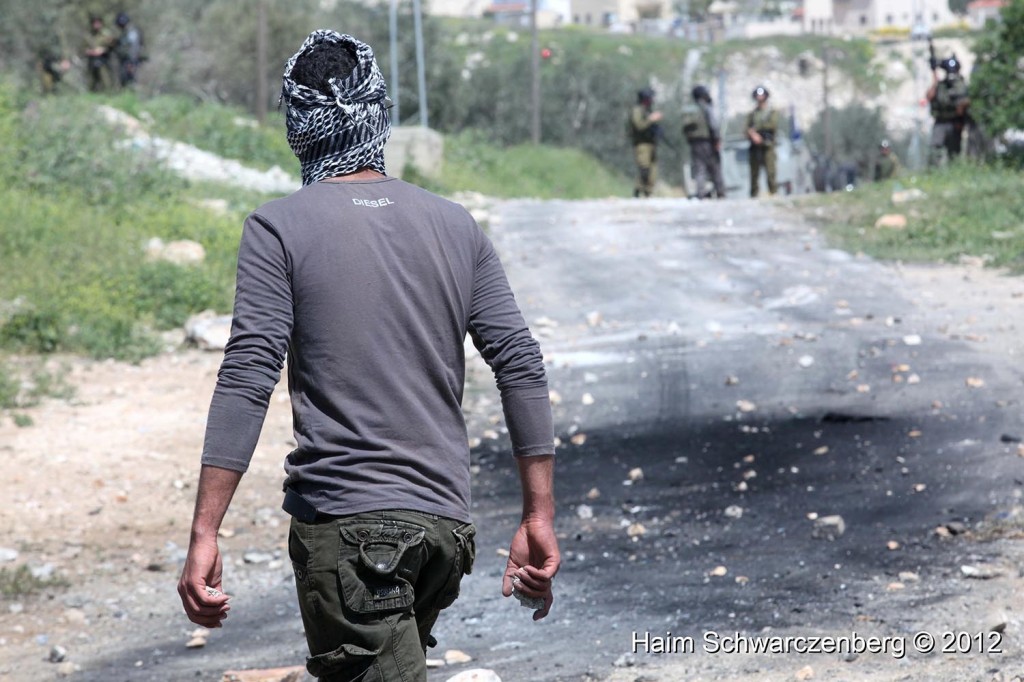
<point x="933" y="63"/>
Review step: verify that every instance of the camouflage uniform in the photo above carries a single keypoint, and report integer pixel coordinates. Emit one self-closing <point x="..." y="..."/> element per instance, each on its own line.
<point x="644" y="134"/>
<point x="49" y="65"/>
<point x="703" y="136"/>
<point x="96" y="50"/>
<point x="765" y="121"/>
<point x="887" y="166"/>
<point x="128" y="50"/>
<point x="949" y="122"/>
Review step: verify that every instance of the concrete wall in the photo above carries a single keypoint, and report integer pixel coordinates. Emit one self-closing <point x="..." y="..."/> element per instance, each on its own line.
<point x="419" y="147"/>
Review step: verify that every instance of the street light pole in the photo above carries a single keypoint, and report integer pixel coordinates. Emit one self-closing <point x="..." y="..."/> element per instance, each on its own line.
<point x="826" y="116"/>
<point x="421" y="77"/>
<point x="261" y="61"/>
<point x="534" y="75"/>
<point x="396" y="115"/>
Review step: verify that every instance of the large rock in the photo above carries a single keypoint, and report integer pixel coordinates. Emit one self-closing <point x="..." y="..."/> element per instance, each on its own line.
<point x="183" y="252"/>
<point x="475" y="675"/>
<point x="295" y="673"/>
<point x="415" y="146"/>
<point x="208" y="330"/>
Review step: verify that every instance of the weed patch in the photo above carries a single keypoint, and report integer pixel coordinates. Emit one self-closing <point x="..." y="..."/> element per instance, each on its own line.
<point x="962" y="210"/>
<point x="22" y="582"/>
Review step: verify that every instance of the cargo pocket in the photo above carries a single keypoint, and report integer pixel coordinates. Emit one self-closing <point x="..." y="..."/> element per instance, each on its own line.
<point x="465" y="555"/>
<point x="299" y="553"/>
<point x="348" y="659"/>
<point x="378" y="563"/>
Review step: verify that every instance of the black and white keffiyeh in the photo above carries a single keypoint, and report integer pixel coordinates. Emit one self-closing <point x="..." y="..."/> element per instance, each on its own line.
<point x="344" y="133"/>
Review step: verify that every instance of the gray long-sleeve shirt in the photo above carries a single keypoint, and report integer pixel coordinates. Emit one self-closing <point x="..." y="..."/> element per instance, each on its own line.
<point x="370" y="288"/>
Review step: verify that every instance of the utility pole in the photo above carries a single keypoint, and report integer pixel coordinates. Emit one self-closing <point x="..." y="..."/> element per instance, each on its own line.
<point x="534" y="75"/>
<point x="826" y="116"/>
<point x="421" y="77"/>
<point x="396" y="116"/>
<point x="261" y="61"/>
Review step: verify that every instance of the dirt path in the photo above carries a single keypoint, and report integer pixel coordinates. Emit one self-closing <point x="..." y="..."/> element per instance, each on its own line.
<point x="100" y="490"/>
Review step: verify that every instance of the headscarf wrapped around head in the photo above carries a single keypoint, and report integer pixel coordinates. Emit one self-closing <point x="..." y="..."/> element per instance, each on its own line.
<point x="343" y="132"/>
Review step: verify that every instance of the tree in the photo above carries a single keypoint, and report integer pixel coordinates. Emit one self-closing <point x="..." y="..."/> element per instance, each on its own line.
<point x="958" y="6"/>
<point x="856" y="133"/>
<point x="997" y="88"/>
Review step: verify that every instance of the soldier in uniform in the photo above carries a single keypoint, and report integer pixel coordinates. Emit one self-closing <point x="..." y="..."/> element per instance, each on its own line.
<point x="644" y="132"/>
<point x="51" y="66"/>
<point x="129" y="49"/>
<point x="96" y="49"/>
<point x="762" y="124"/>
<point x="887" y="166"/>
<point x="949" y="104"/>
<point x="702" y="134"/>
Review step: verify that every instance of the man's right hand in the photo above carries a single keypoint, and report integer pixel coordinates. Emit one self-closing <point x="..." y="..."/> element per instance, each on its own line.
<point x="200" y="585"/>
<point x="654" y="116"/>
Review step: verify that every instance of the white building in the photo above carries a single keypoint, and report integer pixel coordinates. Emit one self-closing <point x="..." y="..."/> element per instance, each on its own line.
<point x="864" y="16"/>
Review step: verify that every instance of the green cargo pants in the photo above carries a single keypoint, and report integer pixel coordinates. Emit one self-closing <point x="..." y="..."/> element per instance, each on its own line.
<point x="370" y="589"/>
<point x="762" y="156"/>
<point x="646" y="169"/>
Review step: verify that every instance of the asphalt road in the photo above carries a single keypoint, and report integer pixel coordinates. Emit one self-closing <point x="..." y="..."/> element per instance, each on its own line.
<point x="745" y="368"/>
<point x="756" y="378"/>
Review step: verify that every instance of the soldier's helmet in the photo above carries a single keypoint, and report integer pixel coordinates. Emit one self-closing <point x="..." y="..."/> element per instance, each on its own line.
<point x="122" y="19"/>
<point x="885" y="146"/>
<point x="700" y="92"/>
<point x="951" y="65"/>
<point x="760" y="90"/>
<point x="644" y="95"/>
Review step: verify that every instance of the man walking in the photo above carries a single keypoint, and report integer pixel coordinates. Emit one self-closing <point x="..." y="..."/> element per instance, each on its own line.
<point x="369" y="286"/>
<point x="702" y="133"/>
<point x="644" y="131"/>
<point x="762" y="124"/>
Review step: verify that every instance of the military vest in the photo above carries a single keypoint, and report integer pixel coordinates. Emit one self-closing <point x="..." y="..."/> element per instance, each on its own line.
<point x="695" y="123"/>
<point x="640" y="129"/>
<point x="764" y="121"/>
<point x="947" y="94"/>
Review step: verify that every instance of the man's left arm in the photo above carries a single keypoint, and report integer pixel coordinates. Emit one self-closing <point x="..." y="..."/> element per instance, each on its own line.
<point x="533" y="557"/>
<point x="503" y="339"/>
<point x="200" y="584"/>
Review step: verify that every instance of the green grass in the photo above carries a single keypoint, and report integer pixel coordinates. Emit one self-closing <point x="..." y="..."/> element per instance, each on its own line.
<point x="79" y="210"/>
<point x="227" y="131"/>
<point x="968" y="210"/>
<point x="471" y="164"/>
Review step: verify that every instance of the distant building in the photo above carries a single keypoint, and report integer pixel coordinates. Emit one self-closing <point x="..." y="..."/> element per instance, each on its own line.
<point x="618" y="13"/>
<point x="980" y="12"/>
<point x="458" y="8"/>
<point x="863" y="16"/>
<point x="550" y="13"/>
